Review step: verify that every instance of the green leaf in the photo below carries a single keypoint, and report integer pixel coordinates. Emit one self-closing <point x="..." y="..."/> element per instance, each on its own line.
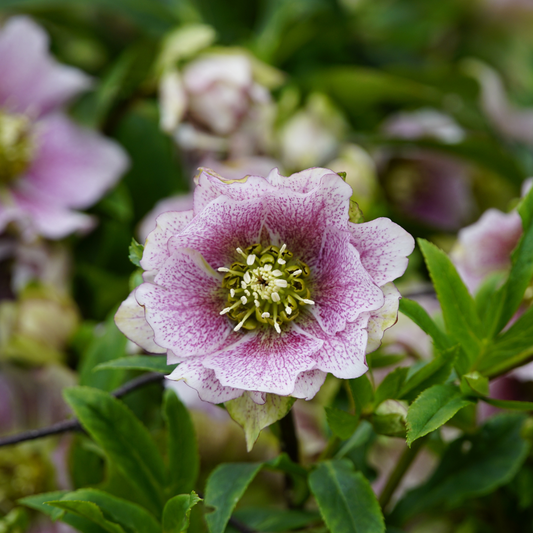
<point x="525" y="209"/>
<point x="225" y="487"/>
<point x="177" y="512"/>
<point x="474" y="384"/>
<point x="136" y="252"/>
<point x="458" y="308"/>
<point x="253" y="417"/>
<point x="107" y="344"/>
<point x="391" y="386"/>
<point x="125" y="441"/>
<point x="511" y="349"/>
<point x="130" y="516"/>
<point x="434" y="372"/>
<point x="341" y="423"/>
<point x="362" y="394"/>
<point x="433" y="408"/>
<point x="90" y="511"/>
<point x="346" y="501"/>
<point x="379" y="360"/>
<point x="471" y="466"/>
<point x="182" y="449"/>
<point x="510" y="295"/>
<point x="38" y="502"/>
<point x="508" y="404"/>
<point x="275" y="520"/>
<point x="148" y="363"/>
<point x="420" y="317"/>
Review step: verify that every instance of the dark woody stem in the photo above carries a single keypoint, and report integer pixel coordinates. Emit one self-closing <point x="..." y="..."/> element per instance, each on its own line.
<point x="73" y="424"/>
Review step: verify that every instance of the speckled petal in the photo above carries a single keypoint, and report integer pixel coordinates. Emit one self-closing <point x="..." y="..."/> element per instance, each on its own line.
<point x="383" y="247"/>
<point x="130" y="320"/>
<point x="303" y="182"/>
<point x="210" y="185"/>
<point x="342" y="354"/>
<point x="383" y="318"/>
<point x="308" y="384"/>
<point x="265" y="361"/>
<point x="203" y="381"/>
<point x="183" y="305"/>
<point x="300" y="219"/>
<point x="156" y="245"/>
<point x="343" y="288"/>
<point x="220" y="228"/>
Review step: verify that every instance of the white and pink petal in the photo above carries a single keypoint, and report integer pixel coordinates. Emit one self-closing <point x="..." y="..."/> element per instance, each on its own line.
<point x="383" y="247"/>
<point x="265" y="361"/>
<point x="131" y="321"/>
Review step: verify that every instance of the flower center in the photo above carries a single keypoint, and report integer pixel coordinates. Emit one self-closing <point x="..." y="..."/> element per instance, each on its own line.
<point x="267" y="287"/>
<point x="17" y="146"/>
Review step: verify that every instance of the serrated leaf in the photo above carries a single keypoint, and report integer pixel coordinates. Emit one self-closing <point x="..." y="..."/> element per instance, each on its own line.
<point x="433" y="408"/>
<point x="89" y="511"/>
<point x="125" y="441"/>
<point x="509" y="297"/>
<point x="182" y="448"/>
<point x="458" y="307"/>
<point x="420" y="317"/>
<point x="130" y="516"/>
<point x="225" y="487"/>
<point x="148" y="363"/>
<point x="177" y="512"/>
<point x="391" y="385"/>
<point x="136" y="251"/>
<point x="346" y="501"/>
<point x="362" y="394"/>
<point x="433" y="372"/>
<point x="472" y="466"/>
<point x="510" y="349"/>
<point x="341" y="423"/>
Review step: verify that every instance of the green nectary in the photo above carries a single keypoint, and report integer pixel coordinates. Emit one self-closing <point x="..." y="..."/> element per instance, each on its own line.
<point x="17" y="145"/>
<point x="268" y="287"/>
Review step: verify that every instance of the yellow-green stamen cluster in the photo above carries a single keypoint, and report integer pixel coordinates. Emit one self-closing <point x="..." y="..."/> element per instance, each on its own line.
<point x="17" y="145"/>
<point x="267" y="287"/>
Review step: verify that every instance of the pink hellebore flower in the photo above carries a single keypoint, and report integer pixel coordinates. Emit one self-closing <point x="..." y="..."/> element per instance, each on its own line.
<point x="49" y="167"/>
<point x="265" y="286"/>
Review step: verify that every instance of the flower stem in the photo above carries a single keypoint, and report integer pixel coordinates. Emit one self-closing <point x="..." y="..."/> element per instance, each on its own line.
<point x="399" y="471"/>
<point x="289" y="445"/>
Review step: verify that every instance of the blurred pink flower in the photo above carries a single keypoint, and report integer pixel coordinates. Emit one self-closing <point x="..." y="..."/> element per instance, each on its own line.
<point x="49" y="167"/>
<point x="228" y="286"/>
<point x="215" y="105"/>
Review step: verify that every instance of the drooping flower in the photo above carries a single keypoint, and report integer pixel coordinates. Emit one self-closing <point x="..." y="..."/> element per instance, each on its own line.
<point x="264" y="287"/>
<point x="216" y="105"/>
<point x="49" y="167"/>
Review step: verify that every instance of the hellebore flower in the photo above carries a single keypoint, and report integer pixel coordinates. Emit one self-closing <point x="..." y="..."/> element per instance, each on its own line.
<point x="215" y="104"/>
<point x="264" y="287"/>
<point x="49" y="167"/>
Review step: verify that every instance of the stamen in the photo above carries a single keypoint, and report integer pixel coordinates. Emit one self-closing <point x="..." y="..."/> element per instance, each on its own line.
<point x="294" y="274"/>
<point x="277" y="273"/>
<point x="247" y="277"/>
<point x="288" y="310"/>
<point x="241" y="323"/>
<point x="251" y="260"/>
<point x="232" y="293"/>
<point x="280" y="283"/>
<point x="247" y="292"/>
<point x="234" y="272"/>
<point x="283" y="248"/>
<point x="281" y="261"/>
<point x="241" y="252"/>
<point x="276" y="327"/>
<point x="275" y="297"/>
<point x="228" y="309"/>
<point x="257" y="304"/>
<point x="268" y="267"/>
<point x="244" y="300"/>
<point x="265" y="315"/>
